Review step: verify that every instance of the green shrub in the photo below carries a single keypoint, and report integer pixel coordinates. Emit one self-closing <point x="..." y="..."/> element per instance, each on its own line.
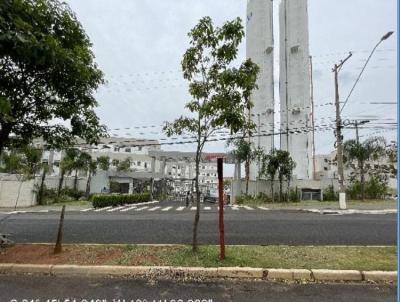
<point x="264" y="198"/>
<point x="329" y="194"/>
<point x="294" y="195"/>
<point x="374" y="188"/>
<point x="113" y="200"/>
<point x="69" y="192"/>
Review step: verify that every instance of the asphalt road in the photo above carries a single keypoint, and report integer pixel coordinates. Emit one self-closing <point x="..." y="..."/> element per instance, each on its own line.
<point x="241" y="227"/>
<point x="41" y="288"/>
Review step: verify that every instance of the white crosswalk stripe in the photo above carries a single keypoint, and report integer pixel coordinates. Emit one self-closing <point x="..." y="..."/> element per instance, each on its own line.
<point x="115" y="209"/>
<point x="128" y="209"/>
<point x="154" y="209"/>
<point x="102" y="209"/>
<point x="248" y="208"/>
<point x="141" y="209"/>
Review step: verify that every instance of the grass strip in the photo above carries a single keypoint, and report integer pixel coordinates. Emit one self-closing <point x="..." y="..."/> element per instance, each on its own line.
<point x="317" y="257"/>
<point x="351" y="204"/>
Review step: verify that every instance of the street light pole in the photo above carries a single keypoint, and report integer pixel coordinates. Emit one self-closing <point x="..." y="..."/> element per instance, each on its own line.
<point x="339" y="146"/>
<point x="385" y="37"/>
<point x="339" y="139"/>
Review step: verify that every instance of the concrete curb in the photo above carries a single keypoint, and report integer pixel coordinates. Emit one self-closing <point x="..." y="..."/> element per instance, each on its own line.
<point x="169" y="272"/>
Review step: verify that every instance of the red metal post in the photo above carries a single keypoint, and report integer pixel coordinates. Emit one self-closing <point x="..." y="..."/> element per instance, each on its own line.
<point x="220" y="162"/>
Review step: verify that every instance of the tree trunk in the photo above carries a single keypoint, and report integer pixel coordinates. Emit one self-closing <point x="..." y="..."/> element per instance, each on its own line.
<point x="197" y="216"/>
<point x="280" y="189"/>
<point x="58" y="247"/>
<point x="19" y="192"/>
<point x="362" y="180"/>
<point x="272" y="191"/>
<point x="4" y="134"/>
<point x="76" y="181"/>
<point x="88" y="184"/>
<point x="60" y="182"/>
<point x="247" y="171"/>
<point x="41" y="189"/>
<point x="288" y="191"/>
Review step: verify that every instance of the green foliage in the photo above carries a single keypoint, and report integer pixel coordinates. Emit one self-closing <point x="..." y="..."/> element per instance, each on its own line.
<point x="11" y="163"/>
<point x="51" y="196"/>
<point x="375" y="188"/>
<point x="27" y="161"/>
<point x="329" y="194"/>
<point x="294" y="195"/>
<point x="124" y="165"/>
<point x="106" y="200"/>
<point x="103" y="163"/>
<point x="220" y="93"/>
<point x="47" y="72"/>
<point x="370" y="149"/>
<point x="278" y="162"/>
<point x="243" y="150"/>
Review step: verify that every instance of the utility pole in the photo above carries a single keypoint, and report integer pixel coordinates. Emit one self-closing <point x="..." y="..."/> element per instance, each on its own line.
<point x="339" y="142"/>
<point x="312" y="117"/>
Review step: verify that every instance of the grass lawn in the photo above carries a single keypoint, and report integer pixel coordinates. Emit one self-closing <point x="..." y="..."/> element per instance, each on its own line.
<point x="351" y="204"/>
<point x="317" y="257"/>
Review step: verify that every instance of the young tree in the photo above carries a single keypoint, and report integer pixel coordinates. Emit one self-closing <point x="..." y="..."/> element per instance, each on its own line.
<point x="85" y="163"/>
<point x="269" y="168"/>
<point x="47" y="72"/>
<point x="370" y="149"/>
<point x="243" y="153"/>
<point x="285" y="168"/>
<point x="67" y="165"/>
<point x="220" y="93"/>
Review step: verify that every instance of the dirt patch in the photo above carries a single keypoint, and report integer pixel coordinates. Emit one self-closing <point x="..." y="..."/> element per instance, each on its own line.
<point x="71" y="254"/>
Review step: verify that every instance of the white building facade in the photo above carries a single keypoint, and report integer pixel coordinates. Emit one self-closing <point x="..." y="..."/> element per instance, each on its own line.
<point x="260" y="49"/>
<point x="296" y="123"/>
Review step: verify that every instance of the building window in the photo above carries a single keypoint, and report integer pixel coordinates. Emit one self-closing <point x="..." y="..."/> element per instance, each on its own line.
<point x="140" y="148"/>
<point x="139" y="163"/>
<point x="128" y="150"/>
<point x="145" y="165"/>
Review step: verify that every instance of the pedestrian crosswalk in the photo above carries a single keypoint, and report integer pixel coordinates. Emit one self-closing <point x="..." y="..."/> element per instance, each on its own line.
<point x="159" y="208"/>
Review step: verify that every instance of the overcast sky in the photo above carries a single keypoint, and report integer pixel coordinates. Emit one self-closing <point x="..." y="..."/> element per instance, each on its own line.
<point x="139" y="46"/>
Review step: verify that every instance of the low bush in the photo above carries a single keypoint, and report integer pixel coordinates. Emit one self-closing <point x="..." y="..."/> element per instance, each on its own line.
<point x="113" y="200"/>
<point x="374" y="188"/>
<point x="294" y="195"/>
<point x="329" y="194"/>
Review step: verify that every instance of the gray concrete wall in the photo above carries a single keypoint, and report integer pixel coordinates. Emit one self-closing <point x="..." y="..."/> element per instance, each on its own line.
<point x="11" y="185"/>
<point x="264" y="186"/>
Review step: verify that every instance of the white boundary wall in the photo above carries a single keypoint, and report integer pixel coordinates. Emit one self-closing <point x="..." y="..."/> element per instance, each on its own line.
<point x="10" y="185"/>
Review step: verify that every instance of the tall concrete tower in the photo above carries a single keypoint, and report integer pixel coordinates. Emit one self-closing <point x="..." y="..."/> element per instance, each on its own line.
<point x="295" y="84"/>
<point x="260" y="49"/>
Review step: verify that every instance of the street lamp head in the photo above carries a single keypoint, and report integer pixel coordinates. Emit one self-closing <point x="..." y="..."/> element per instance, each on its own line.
<point x="385" y="37"/>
